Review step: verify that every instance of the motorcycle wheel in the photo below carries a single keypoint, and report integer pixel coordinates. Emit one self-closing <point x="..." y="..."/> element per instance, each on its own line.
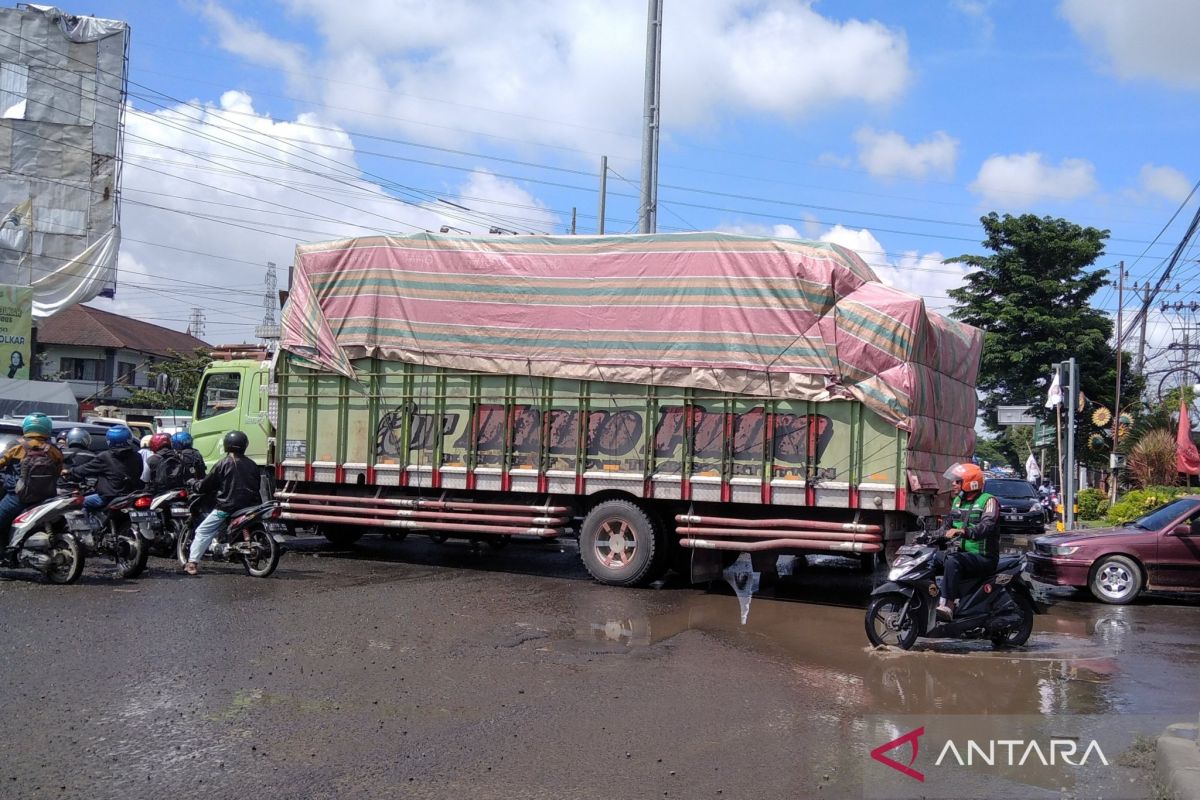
<point x="882" y="627"/>
<point x="132" y="553"/>
<point x="68" y="557"/>
<point x="267" y="554"/>
<point x="184" y="534"/>
<point x="1019" y="634"/>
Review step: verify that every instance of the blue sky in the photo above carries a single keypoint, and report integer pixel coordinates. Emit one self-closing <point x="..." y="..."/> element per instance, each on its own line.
<point x="889" y="127"/>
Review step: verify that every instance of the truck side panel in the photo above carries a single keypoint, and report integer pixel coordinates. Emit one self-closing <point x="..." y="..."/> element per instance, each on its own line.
<point x="409" y="425"/>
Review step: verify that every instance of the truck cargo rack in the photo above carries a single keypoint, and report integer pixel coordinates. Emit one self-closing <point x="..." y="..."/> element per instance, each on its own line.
<point x="754" y="535"/>
<point x="439" y="515"/>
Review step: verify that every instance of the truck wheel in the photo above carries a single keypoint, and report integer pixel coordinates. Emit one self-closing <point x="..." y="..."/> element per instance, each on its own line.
<point x="619" y="544"/>
<point x="342" y="535"/>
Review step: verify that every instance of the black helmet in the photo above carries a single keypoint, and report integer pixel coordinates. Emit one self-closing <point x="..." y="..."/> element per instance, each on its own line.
<point x="236" y="442"/>
<point x="78" y="437"/>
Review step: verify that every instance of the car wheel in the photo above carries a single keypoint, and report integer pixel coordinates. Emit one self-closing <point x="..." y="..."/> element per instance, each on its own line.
<point x="1116" y="580"/>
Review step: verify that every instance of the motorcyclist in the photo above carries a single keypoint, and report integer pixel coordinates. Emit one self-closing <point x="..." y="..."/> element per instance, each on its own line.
<point x="30" y="470"/>
<point x="181" y="443"/>
<point x="975" y="515"/>
<point x="145" y="453"/>
<point x="159" y="463"/>
<point x="78" y="448"/>
<point x="235" y="480"/>
<point x="118" y="470"/>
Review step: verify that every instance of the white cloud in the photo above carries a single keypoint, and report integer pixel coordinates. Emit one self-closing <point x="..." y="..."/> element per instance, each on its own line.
<point x="1023" y="179"/>
<point x="246" y="39"/>
<point x="1142" y="40"/>
<point x="506" y="67"/>
<point x="1166" y="182"/>
<point x="922" y="274"/>
<point x="244" y="189"/>
<point x="979" y="12"/>
<point x="888" y="154"/>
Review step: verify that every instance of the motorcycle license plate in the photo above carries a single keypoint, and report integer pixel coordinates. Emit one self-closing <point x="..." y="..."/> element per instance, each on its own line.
<point x="907" y="550"/>
<point x="141" y="516"/>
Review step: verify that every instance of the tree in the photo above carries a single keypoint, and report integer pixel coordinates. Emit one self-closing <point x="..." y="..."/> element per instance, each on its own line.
<point x="993" y="452"/>
<point x="1031" y="297"/>
<point x="173" y="381"/>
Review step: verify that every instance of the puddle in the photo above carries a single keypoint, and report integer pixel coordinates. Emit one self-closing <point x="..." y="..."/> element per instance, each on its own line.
<point x="1071" y="665"/>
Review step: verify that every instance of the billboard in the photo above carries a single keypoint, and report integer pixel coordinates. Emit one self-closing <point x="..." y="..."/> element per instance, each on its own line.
<point x="16" y="321"/>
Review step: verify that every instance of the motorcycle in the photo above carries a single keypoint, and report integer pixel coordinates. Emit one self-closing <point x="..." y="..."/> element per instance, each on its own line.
<point x="45" y="543"/>
<point x="251" y="535"/>
<point x="1049" y="503"/>
<point x="158" y="519"/>
<point x="107" y="532"/>
<point x="999" y="606"/>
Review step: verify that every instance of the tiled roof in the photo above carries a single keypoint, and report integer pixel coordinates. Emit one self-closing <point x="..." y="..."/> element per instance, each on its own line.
<point x="84" y="326"/>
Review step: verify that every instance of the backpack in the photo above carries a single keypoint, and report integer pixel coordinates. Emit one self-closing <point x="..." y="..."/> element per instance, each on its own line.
<point x="38" y="479"/>
<point x="172" y="471"/>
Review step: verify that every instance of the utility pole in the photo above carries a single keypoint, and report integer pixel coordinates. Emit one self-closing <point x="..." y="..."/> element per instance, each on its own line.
<point x="649" y="193"/>
<point x="1142" y="328"/>
<point x="572" y="220"/>
<point x="603" y="190"/>
<point x="1070" y="473"/>
<point x="1112" y="465"/>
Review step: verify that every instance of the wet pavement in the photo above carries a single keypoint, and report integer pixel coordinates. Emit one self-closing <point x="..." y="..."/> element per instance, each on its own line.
<point x="409" y="669"/>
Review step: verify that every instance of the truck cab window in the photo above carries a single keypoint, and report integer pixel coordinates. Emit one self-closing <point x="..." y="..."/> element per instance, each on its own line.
<point x="219" y="394"/>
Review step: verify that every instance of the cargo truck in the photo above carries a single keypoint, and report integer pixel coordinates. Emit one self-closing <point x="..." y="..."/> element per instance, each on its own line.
<point x="668" y="399"/>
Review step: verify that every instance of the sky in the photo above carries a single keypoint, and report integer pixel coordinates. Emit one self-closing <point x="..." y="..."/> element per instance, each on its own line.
<point x="891" y="128"/>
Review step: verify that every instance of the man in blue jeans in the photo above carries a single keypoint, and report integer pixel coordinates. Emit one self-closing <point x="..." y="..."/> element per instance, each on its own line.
<point x="235" y="480"/>
<point x="37" y="429"/>
<point x="118" y="470"/>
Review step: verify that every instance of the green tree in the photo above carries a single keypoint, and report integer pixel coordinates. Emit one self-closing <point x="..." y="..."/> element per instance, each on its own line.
<point x="993" y="452"/>
<point x="1031" y="297"/>
<point x="173" y="382"/>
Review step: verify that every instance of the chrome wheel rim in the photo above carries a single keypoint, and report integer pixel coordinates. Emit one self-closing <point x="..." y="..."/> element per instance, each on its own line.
<point x="616" y="544"/>
<point x="1115" y="580"/>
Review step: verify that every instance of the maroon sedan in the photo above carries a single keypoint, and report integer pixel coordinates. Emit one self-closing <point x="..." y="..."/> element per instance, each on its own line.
<point x="1159" y="551"/>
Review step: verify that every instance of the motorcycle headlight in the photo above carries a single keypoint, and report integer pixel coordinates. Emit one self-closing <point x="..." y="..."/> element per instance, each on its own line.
<point x="895" y="573"/>
<point x="1063" y="549"/>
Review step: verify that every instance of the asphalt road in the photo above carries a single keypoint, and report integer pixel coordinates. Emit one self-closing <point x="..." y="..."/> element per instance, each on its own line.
<point x="408" y="669"/>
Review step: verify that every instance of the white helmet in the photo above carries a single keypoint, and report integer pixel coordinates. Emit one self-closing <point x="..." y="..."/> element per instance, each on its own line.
<point x="146" y="441"/>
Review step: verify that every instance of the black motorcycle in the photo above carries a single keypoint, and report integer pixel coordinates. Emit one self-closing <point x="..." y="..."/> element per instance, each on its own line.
<point x="44" y="543"/>
<point x="999" y="606"/>
<point x="252" y="536"/>
<point x="158" y="519"/>
<point x="107" y="532"/>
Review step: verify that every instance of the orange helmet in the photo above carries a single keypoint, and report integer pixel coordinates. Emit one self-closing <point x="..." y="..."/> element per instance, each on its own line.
<point x="970" y="475"/>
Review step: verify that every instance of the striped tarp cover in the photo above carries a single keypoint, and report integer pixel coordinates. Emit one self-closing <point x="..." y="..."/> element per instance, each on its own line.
<point x="760" y="316"/>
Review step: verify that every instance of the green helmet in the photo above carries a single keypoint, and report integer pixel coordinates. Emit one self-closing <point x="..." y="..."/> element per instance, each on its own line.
<point x="38" y="423"/>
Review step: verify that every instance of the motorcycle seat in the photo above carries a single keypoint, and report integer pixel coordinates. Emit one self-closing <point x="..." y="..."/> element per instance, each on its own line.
<point x="245" y="510"/>
<point x="1008" y="562"/>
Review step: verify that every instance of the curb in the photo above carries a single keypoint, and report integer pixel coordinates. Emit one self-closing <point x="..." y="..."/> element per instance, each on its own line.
<point x="1179" y="760"/>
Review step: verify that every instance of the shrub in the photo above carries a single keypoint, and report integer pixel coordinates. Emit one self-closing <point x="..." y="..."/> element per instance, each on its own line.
<point x="1151" y="462"/>
<point x="1093" y="504"/>
<point x="1138" y="502"/>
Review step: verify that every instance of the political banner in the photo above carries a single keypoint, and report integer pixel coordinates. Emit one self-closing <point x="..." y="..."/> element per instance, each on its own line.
<point x="16" y="324"/>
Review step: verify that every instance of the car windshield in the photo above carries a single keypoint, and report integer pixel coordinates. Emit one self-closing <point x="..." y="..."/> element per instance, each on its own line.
<point x="1162" y="516"/>
<point x="1013" y="488"/>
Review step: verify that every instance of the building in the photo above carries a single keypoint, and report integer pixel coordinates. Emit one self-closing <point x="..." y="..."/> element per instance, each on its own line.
<point x="101" y="354"/>
<point x="62" y="100"/>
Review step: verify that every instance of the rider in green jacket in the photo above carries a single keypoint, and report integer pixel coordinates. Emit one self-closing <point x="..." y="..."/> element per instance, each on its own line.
<point x="977" y="522"/>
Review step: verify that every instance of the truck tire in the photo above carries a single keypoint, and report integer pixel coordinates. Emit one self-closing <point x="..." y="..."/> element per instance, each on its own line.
<point x="342" y="535"/>
<point x="620" y="545"/>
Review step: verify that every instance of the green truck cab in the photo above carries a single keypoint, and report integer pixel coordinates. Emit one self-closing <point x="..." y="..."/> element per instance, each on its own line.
<point x="233" y="395"/>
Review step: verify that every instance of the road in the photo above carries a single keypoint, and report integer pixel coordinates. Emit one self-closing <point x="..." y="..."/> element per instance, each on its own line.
<point x="408" y="669"/>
